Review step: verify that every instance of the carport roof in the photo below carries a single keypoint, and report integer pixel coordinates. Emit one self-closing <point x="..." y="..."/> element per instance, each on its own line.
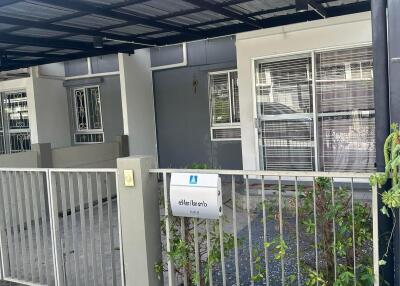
<point x="34" y="32"/>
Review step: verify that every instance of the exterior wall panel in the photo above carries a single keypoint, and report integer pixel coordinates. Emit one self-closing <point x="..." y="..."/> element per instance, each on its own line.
<point x="182" y="109"/>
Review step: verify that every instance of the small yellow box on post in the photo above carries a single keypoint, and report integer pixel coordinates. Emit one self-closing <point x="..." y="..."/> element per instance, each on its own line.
<point x="129" y="180"/>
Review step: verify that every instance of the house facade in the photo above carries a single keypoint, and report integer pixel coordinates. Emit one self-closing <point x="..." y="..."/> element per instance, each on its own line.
<point x="297" y="97"/>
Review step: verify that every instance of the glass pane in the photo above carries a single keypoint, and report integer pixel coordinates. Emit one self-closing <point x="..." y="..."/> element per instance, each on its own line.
<point x="284" y="86"/>
<point x="15" y="106"/>
<point x="94" y="108"/>
<point x="220" y="101"/>
<point x="344" y="89"/>
<point x="287" y="145"/>
<point x="353" y="89"/>
<point x="80" y="109"/>
<point x="20" y="142"/>
<point x="348" y="143"/>
<point x="235" y="97"/>
<point x="284" y="89"/>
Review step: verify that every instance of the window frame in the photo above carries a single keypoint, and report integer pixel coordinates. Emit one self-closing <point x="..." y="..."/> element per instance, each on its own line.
<point x="316" y="113"/>
<point x="223" y="126"/>
<point x="88" y="130"/>
<point x="6" y="132"/>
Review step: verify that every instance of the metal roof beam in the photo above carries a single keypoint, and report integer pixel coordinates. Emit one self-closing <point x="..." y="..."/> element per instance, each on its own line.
<point x="61" y="58"/>
<point x="53" y="43"/>
<point x="8" y="2"/>
<point x="276" y="21"/>
<point x="225" y="12"/>
<point x="72" y="30"/>
<point x="107" y="12"/>
<point x="318" y="8"/>
<point x="28" y="54"/>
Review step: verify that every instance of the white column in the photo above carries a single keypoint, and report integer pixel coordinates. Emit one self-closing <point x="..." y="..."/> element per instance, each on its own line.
<point x="49" y="109"/>
<point x="138" y="102"/>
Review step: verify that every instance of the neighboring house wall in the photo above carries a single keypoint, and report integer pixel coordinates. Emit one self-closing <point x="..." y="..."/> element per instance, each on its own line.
<point x="182" y="105"/>
<point x="338" y="32"/>
<point x="28" y="159"/>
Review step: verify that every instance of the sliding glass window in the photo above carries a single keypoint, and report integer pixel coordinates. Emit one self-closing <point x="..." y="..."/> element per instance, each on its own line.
<point x="315" y="111"/>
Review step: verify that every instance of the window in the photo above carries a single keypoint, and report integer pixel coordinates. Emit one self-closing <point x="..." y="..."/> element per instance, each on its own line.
<point x="224" y="106"/>
<point x="316" y="111"/>
<point x="88" y="123"/>
<point x="284" y="104"/>
<point x="15" y="134"/>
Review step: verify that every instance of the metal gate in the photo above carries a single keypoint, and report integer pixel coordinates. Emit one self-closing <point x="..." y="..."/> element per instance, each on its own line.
<point x="278" y="228"/>
<point x="60" y="227"/>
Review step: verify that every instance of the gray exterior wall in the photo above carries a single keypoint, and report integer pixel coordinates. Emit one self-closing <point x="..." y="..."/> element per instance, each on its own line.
<point x="110" y="93"/>
<point x="182" y="110"/>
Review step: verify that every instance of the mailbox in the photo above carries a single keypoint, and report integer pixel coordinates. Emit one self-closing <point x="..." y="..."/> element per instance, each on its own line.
<point x="196" y="195"/>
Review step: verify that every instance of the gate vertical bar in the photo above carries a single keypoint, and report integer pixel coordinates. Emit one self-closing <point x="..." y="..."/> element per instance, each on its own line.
<point x="55" y="228"/>
<point x="101" y="229"/>
<point x="27" y="195"/>
<point x="375" y="233"/>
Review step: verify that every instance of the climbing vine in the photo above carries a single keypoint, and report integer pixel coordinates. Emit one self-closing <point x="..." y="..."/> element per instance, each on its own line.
<point x="391" y="197"/>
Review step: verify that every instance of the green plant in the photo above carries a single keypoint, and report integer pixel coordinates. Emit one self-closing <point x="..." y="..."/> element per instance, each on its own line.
<point x="183" y="245"/>
<point x="332" y="219"/>
<point x="391" y="197"/>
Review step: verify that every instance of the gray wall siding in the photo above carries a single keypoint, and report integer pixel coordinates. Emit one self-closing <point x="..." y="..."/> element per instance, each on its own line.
<point x="182" y="111"/>
<point x="111" y="105"/>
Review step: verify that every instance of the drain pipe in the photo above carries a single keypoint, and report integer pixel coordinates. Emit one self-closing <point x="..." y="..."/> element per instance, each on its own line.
<point x="382" y="120"/>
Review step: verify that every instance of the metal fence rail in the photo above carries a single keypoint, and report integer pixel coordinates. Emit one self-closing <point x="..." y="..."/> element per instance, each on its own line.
<point x="86" y="227"/>
<point x="278" y="228"/>
<point x="25" y="227"/>
<point x="60" y="227"/>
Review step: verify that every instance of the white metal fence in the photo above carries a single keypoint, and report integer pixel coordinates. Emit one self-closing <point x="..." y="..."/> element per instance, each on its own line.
<point x="60" y="227"/>
<point x="278" y="228"/>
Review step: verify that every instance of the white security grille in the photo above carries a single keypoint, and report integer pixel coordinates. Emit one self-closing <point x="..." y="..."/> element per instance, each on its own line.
<point x="88" y="115"/>
<point x="344" y="88"/>
<point x="284" y="97"/>
<point x="14" y="127"/>
<point x="224" y="105"/>
<point x="226" y="133"/>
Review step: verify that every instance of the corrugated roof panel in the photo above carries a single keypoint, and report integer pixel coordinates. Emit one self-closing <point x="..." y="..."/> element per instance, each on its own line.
<point x="162" y="35"/>
<point x="36" y="10"/>
<point x="4" y="26"/>
<point x="104" y="2"/>
<point x="160" y="8"/>
<point x="259" y="5"/>
<point x="135" y="29"/>
<point x="63" y="52"/>
<point x="81" y="38"/>
<point x="3" y="45"/>
<point x="39" y="33"/>
<point x="197" y="18"/>
<point x="26" y="58"/>
<point x="339" y="2"/>
<point x="218" y="25"/>
<point x="91" y="21"/>
<point x="32" y="49"/>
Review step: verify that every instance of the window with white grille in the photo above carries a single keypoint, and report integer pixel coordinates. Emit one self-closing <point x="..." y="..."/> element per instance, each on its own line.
<point x="284" y="104"/>
<point x="224" y="105"/>
<point x="317" y="103"/>
<point x="344" y="90"/>
<point x="88" y="122"/>
<point x="15" y="135"/>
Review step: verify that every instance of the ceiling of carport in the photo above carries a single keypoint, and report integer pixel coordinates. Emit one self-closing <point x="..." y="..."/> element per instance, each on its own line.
<point x="34" y="32"/>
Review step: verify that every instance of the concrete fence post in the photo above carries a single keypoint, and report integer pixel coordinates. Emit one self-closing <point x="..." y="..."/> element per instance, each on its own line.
<point x="140" y="220"/>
